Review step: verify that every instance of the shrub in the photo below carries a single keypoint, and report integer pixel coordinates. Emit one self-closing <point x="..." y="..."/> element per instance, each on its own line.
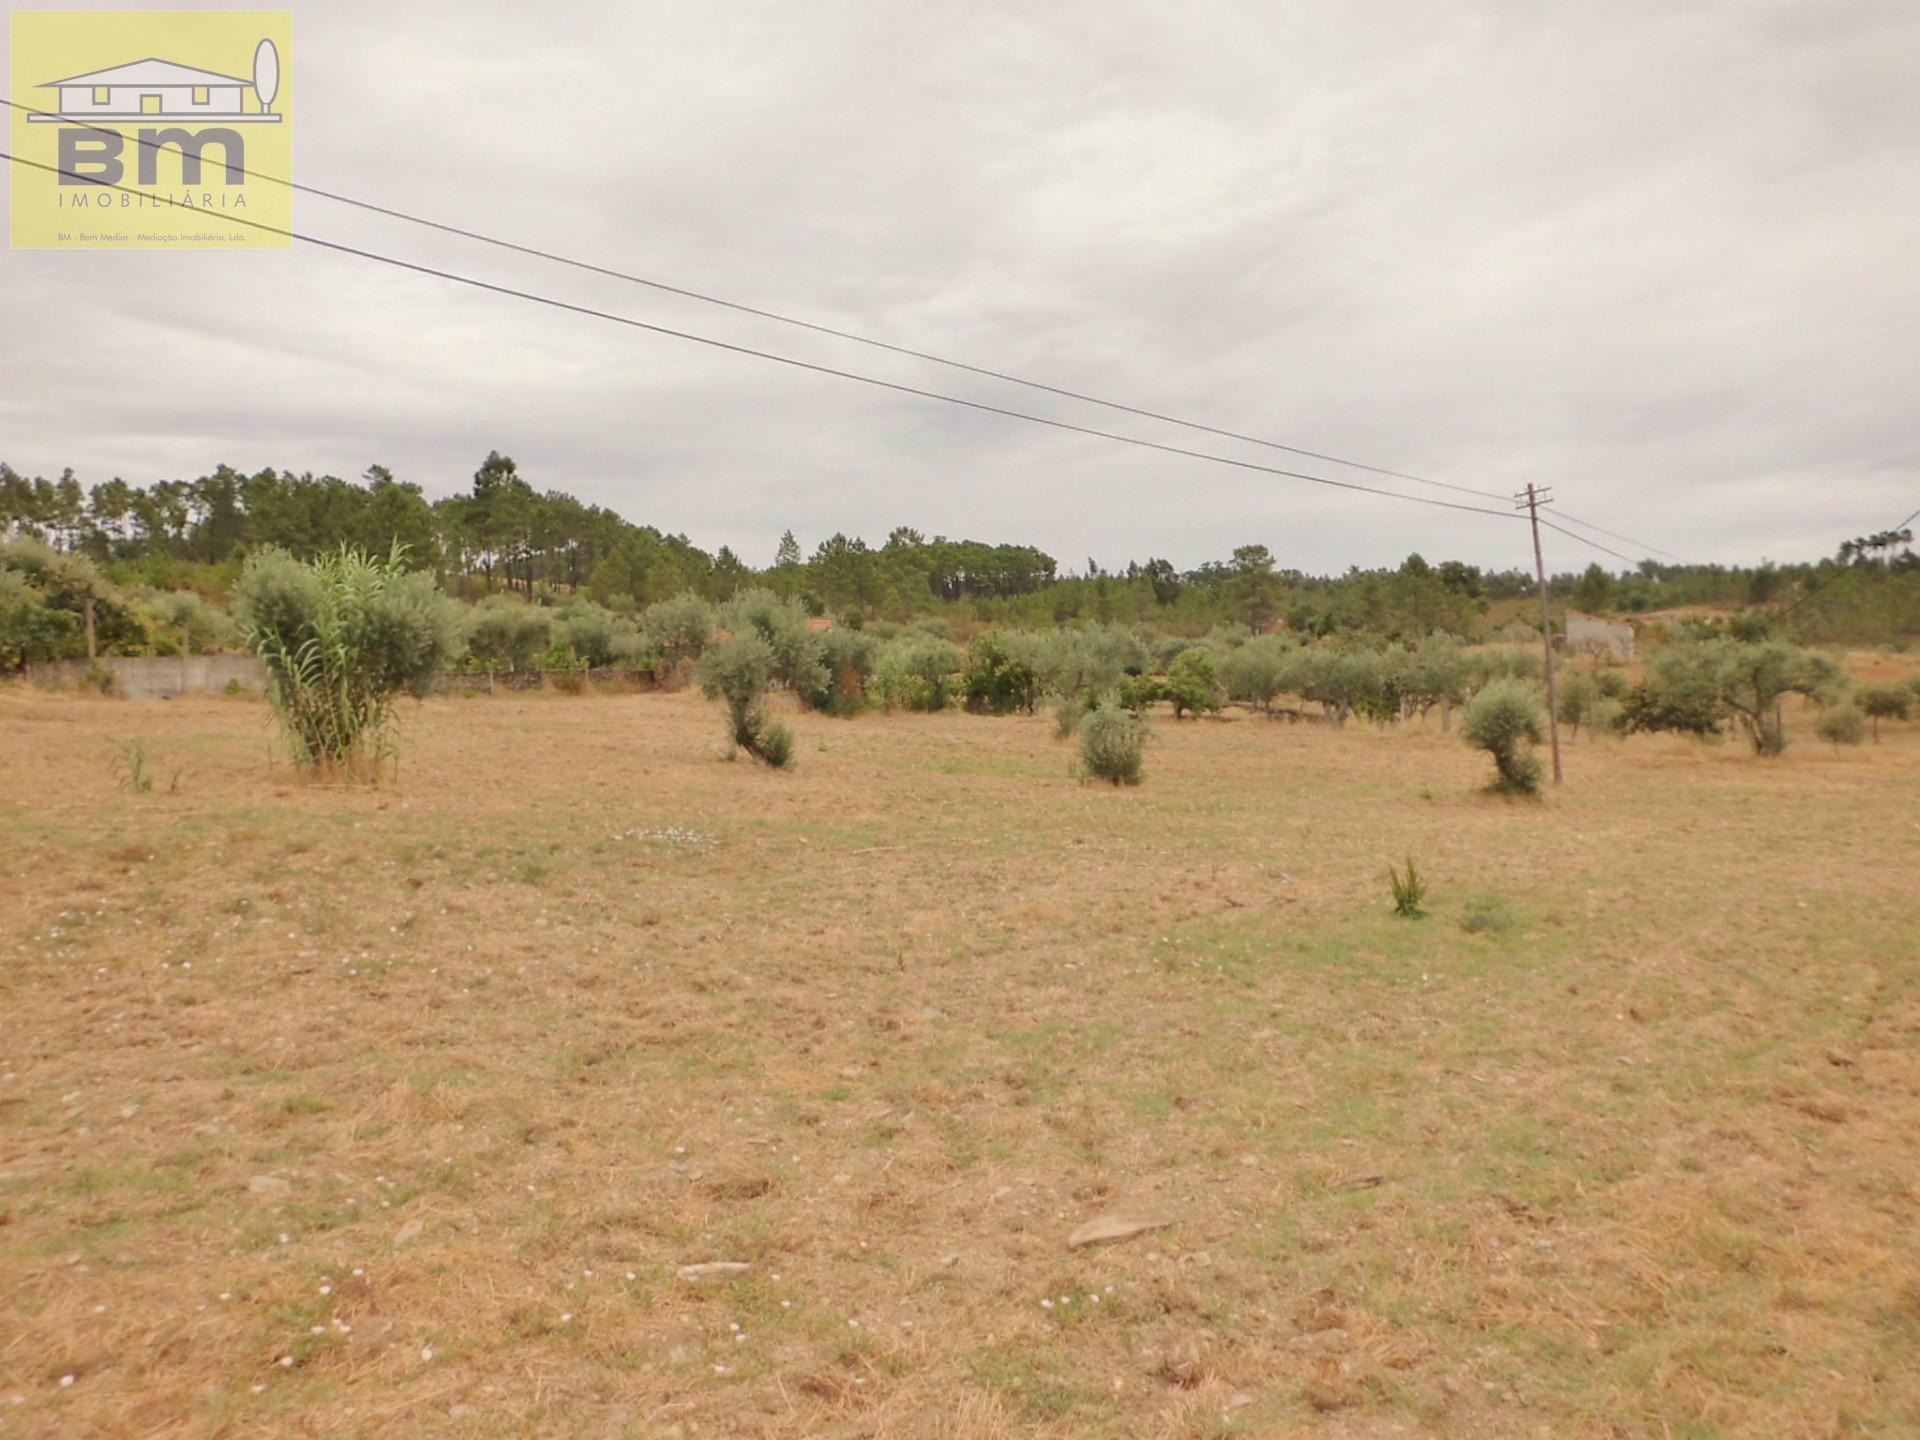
<point x="134" y="774"/>
<point x="505" y="633"/>
<point x="1191" y="684"/>
<point x="1067" y="712"/>
<point x="1111" y="740"/>
<point x="797" y="652"/>
<point x="738" y="670"/>
<point x="588" y="633"/>
<point x="566" y="671"/>
<point x="1257" y="671"/>
<point x="1408" y="891"/>
<point x="847" y="659"/>
<point x="1504" y="720"/>
<point x="341" y="638"/>
<point x="1137" y="692"/>
<point x="916" y="673"/>
<point x="677" y="630"/>
<point x="1842" y="725"/>
<point x="183" y="621"/>
<point x="1579" y="696"/>
<point x="1338" y="680"/>
<point x="1437" y="674"/>
<point x="1884" y="702"/>
<point x="1485" y="916"/>
<point x="995" y="680"/>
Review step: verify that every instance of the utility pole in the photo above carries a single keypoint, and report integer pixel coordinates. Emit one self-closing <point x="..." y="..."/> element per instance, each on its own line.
<point x="1531" y="503"/>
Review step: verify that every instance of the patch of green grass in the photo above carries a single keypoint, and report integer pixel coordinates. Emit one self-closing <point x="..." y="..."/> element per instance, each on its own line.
<point x="1038" y="1383"/>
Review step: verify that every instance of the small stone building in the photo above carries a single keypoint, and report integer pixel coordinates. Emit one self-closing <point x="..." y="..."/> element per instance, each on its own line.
<point x="1590" y="635"/>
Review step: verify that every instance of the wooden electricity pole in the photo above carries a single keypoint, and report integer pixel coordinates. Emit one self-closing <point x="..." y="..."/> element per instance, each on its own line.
<point x="1531" y="503"/>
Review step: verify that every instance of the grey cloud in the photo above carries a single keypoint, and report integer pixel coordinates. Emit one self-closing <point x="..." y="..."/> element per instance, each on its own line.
<point x="1656" y="256"/>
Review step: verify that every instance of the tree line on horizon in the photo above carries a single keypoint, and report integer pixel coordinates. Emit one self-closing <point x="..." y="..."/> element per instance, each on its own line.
<point x="503" y="535"/>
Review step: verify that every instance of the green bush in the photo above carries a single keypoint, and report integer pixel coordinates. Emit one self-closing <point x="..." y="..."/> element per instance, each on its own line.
<point x="506" y="633"/>
<point x="995" y="680"/>
<point x="1338" y="681"/>
<point x="738" y="670"/>
<point x="676" y="631"/>
<point x="1842" y="725"/>
<point x="341" y="638"/>
<point x="916" y="672"/>
<point x="1504" y="720"/>
<point x="1192" y="685"/>
<point x="847" y="660"/>
<point x="1259" y="670"/>
<point x="1436" y="674"/>
<point x="1111" y="741"/>
<point x="1409" y="890"/>
<point x="1137" y="692"/>
<point x="796" y="651"/>
<point x="134" y="775"/>
<point x="1579" y="700"/>
<point x="1884" y="702"/>
<point x="564" y="670"/>
<point x="44" y="595"/>
<point x="590" y="634"/>
<point x="1067" y="713"/>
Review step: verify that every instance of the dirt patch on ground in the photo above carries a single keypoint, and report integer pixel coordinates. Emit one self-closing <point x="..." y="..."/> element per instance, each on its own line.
<point x="404" y="1111"/>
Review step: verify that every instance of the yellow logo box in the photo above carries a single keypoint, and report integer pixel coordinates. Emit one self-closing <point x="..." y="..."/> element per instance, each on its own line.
<point x="174" y="129"/>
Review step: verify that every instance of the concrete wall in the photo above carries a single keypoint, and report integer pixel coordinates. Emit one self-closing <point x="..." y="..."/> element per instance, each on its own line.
<point x="156" y="677"/>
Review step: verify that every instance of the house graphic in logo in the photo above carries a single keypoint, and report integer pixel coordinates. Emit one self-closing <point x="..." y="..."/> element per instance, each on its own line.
<point x="190" y="147"/>
<point x="160" y="89"/>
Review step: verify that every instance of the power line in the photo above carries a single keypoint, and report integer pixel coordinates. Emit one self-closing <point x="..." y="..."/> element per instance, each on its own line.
<point x="1845" y="575"/>
<point x="1602" y="530"/>
<point x="535" y="252"/>
<point x="587" y="310"/>
<point x="663" y="286"/>
<point x="1548" y="524"/>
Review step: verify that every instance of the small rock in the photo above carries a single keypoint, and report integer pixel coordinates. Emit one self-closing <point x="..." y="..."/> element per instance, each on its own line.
<point x="269" y="1185"/>
<point x="1360" y="1182"/>
<point x="1116" y="1225"/>
<point x="714" y="1269"/>
<point x="409" y="1232"/>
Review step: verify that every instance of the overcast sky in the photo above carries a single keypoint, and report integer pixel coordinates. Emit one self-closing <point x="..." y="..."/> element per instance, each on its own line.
<point x="1664" y="257"/>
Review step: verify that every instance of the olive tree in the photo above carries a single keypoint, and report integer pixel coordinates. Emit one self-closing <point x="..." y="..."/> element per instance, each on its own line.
<point x="677" y="630"/>
<point x="738" y="670"/>
<point x="1504" y="720"/>
<point x="1842" y="725"/>
<point x="1192" y="685"/>
<point x="1436" y="674"/>
<point x="506" y="633"/>
<point x="796" y="652"/>
<point x="1259" y="670"/>
<point x="1884" y="702"/>
<point x="1696" y="685"/>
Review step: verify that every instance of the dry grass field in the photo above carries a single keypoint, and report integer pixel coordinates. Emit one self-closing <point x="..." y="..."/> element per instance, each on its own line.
<point x="398" y="1111"/>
